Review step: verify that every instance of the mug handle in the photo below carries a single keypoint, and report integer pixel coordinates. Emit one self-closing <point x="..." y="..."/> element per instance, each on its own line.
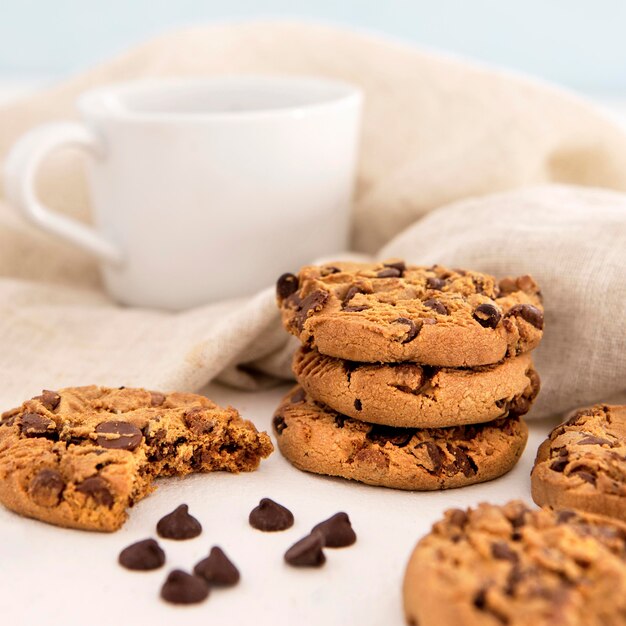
<point x="20" y="170"/>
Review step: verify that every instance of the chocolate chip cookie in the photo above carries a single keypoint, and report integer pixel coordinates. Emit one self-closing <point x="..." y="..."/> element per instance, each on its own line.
<point x="317" y="439"/>
<point x="582" y="464"/>
<point x="497" y="565"/>
<point x="418" y="396"/>
<point x="79" y="457"/>
<point x="390" y="312"/>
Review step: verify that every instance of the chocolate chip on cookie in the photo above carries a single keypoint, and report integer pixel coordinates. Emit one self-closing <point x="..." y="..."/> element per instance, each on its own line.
<point x="287" y="285"/>
<point x="35" y="425"/>
<point x="98" y="490"/>
<point x="118" y="435"/>
<point x="49" y="399"/>
<point x="487" y="315"/>
<point x="528" y="312"/>
<point x="413" y="328"/>
<point x="46" y="487"/>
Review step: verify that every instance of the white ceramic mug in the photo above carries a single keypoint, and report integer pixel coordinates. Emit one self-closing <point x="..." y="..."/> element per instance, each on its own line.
<point x="203" y="189"/>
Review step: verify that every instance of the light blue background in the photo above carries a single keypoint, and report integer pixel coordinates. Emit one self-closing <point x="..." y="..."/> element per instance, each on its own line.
<point x="579" y="43"/>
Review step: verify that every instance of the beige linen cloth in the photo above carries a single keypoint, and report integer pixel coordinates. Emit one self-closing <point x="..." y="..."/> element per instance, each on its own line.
<point x="460" y="164"/>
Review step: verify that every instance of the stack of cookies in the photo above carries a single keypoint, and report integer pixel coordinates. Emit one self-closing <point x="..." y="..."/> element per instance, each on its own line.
<point x="409" y="377"/>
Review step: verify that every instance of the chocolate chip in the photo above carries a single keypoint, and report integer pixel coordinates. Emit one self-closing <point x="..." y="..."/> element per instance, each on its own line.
<point x="355" y="309"/>
<point x="279" y="424"/>
<point x="560" y="464"/>
<point x="182" y="588"/>
<point x="35" y="425"/>
<point x="8" y="419"/>
<point x="487" y="315"/>
<point x="462" y="462"/>
<point x="269" y="516"/>
<point x="389" y="272"/>
<point x="50" y="399"/>
<point x="390" y="434"/>
<point x="480" y="599"/>
<point x="413" y="330"/>
<point x="313" y="302"/>
<point x="307" y="552"/>
<point x="479" y="285"/>
<point x="142" y="556"/>
<point x="197" y="421"/>
<point x="437" y="306"/>
<point x="529" y="313"/>
<point x="519" y="519"/>
<point x="501" y="551"/>
<point x="585" y="474"/>
<point x="358" y="404"/>
<point x="432" y="282"/>
<point x="398" y="265"/>
<point x="156" y="398"/>
<point x="353" y="291"/>
<point x="46" y="487"/>
<point x="457" y="517"/>
<point x="513" y="579"/>
<point x="118" y="435"/>
<point x="593" y="440"/>
<point x="436" y="455"/>
<point x="330" y="269"/>
<point x="179" y="524"/>
<point x="97" y="489"/>
<point x="519" y="405"/>
<point x="563" y="517"/>
<point x="336" y="530"/>
<point x="217" y="569"/>
<point x="298" y="396"/>
<point x="286" y="285"/>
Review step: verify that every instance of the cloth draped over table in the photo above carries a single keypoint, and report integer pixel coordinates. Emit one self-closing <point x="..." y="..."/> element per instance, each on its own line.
<point x="460" y="164"/>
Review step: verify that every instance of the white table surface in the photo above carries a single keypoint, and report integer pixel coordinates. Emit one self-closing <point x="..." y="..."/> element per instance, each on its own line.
<point x="51" y="576"/>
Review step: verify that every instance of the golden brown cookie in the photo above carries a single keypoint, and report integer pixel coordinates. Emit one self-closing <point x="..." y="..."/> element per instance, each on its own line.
<point x="316" y="439"/>
<point x="418" y="396"/>
<point x="582" y="464"/>
<point x="496" y="565"/>
<point x="389" y="312"/>
<point x="79" y="457"/>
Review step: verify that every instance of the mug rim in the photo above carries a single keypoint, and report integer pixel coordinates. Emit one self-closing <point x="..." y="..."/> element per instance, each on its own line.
<point x="92" y="103"/>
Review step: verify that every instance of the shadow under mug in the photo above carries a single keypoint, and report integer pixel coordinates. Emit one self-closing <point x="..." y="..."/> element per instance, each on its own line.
<point x="202" y="189"/>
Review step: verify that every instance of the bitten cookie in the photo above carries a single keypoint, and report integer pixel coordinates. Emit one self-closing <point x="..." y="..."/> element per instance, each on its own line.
<point x="582" y="464"/>
<point x="79" y="457"/>
<point x="497" y="565"/>
<point x="317" y="439"/>
<point x="389" y="312"/>
<point x="418" y="396"/>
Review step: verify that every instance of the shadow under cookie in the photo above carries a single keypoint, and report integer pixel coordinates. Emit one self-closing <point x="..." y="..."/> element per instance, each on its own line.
<point x="317" y="439"/>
